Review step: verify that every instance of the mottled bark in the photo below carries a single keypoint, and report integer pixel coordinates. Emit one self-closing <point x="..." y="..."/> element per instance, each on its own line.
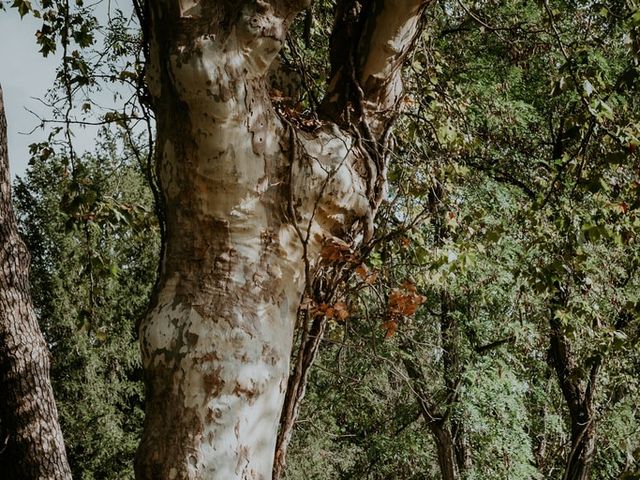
<point x="369" y="44"/>
<point x="249" y="200"/>
<point x="31" y="445"/>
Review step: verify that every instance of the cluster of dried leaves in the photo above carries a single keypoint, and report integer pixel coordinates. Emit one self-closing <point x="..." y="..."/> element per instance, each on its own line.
<point x="402" y="301"/>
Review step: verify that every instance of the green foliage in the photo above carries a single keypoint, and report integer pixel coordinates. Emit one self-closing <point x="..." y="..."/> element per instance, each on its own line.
<point x="515" y="177"/>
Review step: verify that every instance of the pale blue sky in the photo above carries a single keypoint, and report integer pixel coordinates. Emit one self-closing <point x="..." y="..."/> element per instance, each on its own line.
<point x="24" y="74"/>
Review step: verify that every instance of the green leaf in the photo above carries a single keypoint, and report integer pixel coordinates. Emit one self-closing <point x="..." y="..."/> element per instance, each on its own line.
<point x="23" y="6"/>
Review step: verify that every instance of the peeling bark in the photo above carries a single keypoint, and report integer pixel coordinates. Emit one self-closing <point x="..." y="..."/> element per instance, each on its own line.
<point x="248" y="200"/>
<point x="369" y="44"/>
<point x="31" y="446"/>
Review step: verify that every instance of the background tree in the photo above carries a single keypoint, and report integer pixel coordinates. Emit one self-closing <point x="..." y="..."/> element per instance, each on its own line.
<point x="32" y="444"/>
<point x="93" y="239"/>
<point x="483" y="102"/>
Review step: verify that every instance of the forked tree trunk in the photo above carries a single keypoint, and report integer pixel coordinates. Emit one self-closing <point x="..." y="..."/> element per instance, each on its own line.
<point x="31" y="445"/>
<point x="435" y="418"/>
<point x="247" y="196"/>
<point x="578" y="390"/>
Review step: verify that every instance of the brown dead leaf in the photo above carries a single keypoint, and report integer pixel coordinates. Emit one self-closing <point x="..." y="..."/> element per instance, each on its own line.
<point x="405" y="301"/>
<point x="391" y="327"/>
<point x="341" y="310"/>
<point x="336" y="250"/>
<point x="365" y="274"/>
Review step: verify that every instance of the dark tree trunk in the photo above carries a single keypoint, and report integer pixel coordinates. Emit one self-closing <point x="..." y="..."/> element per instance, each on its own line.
<point x="446" y="451"/>
<point x="449" y="333"/>
<point x="461" y="447"/>
<point x="31" y="444"/>
<point x="436" y="420"/>
<point x="578" y="390"/>
<point x="583" y="445"/>
<point x="296" y="387"/>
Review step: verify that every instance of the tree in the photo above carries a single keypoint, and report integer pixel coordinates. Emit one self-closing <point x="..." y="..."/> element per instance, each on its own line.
<point x="250" y="197"/>
<point x="525" y="112"/>
<point x="93" y="242"/>
<point x="32" y="444"/>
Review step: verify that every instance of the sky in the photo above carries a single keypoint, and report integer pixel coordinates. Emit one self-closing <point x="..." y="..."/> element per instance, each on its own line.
<point x="24" y="75"/>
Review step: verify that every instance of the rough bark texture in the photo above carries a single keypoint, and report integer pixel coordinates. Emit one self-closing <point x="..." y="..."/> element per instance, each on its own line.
<point x="249" y="201"/>
<point x="31" y="445"/>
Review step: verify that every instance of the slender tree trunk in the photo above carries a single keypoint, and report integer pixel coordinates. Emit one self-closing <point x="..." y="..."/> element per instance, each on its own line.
<point x="249" y="201"/>
<point x="449" y="334"/>
<point x="296" y="388"/>
<point x="461" y="446"/>
<point x="446" y="451"/>
<point x="31" y="446"/>
<point x="578" y="390"/>
<point x="435" y="420"/>
<point x="583" y="445"/>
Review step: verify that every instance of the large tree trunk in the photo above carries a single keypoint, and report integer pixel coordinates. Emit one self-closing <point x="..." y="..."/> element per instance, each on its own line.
<point x="249" y="201"/>
<point x="31" y="445"/>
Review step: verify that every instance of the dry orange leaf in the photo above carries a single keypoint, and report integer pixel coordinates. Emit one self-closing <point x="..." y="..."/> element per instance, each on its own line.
<point x="335" y="250"/>
<point x="341" y="310"/>
<point x="391" y="327"/>
<point x="409" y="286"/>
<point x="365" y="274"/>
<point x="405" y="301"/>
<point x="338" y="311"/>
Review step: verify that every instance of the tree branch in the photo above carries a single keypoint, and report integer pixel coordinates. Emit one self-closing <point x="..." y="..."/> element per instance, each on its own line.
<point x="374" y="39"/>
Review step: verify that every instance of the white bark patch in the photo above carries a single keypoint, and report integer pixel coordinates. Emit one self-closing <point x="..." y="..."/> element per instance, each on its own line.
<point x="189" y="8"/>
<point x="228" y="370"/>
<point x="171" y="187"/>
<point x="261" y="33"/>
<point x="327" y="183"/>
<point x="395" y="26"/>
